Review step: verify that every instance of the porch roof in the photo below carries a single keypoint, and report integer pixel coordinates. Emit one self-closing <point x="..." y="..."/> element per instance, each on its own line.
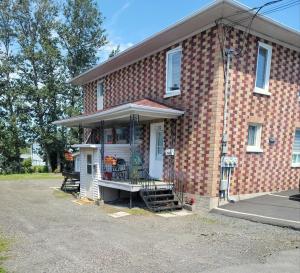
<point x="145" y="108"/>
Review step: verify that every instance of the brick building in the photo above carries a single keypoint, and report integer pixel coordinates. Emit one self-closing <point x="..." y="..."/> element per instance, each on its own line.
<point x="172" y="88"/>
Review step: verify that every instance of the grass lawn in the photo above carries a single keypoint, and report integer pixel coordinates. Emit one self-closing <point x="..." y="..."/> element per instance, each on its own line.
<point x="61" y="194"/>
<point x="4" y="243"/>
<point x="29" y="176"/>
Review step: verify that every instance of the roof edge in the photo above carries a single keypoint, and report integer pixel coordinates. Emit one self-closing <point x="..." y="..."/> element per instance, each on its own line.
<point x="77" y="80"/>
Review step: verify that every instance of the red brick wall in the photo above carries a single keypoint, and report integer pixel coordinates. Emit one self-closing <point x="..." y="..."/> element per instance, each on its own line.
<point x="278" y="113"/>
<point x="199" y="131"/>
<point x="146" y="79"/>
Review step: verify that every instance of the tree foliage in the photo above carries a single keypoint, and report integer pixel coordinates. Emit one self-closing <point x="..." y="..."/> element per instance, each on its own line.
<point x="13" y="117"/>
<point x="114" y="52"/>
<point x="42" y="45"/>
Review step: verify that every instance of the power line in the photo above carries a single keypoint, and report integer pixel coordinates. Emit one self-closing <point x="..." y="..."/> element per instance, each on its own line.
<point x="251" y="18"/>
<point x="274" y="9"/>
<point x="226" y="27"/>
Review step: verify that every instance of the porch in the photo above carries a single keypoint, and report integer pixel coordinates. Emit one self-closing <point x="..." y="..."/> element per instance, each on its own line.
<point x="125" y="149"/>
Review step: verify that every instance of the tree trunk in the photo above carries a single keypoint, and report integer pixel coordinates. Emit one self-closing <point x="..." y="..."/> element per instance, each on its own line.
<point x="48" y="162"/>
<point x="58" y="161"/>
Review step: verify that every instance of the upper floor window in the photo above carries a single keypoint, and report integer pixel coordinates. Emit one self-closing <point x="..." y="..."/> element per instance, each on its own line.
<point x="254" y="138"/>
<point x="173" y="72"/>
<point x="263" y="67"/>
<point x="296" y="150"/>
<point x="100" y="95"/>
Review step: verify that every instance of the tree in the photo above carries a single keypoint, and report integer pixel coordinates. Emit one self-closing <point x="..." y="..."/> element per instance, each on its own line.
<point x="82" y="37"/>
<point x="41" y="71"/>
<point x="41" y="46"/>
<point x="81" y="34"/>
<point x="12" y="108"/>
<point x="114" y="52"/>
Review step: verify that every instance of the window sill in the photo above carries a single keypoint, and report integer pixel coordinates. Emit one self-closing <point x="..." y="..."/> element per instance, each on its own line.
<point x="253" y="149"/>
<point x="261" y="91"/>
<point x="172" y="94"/>
<point x="295" y="165"/>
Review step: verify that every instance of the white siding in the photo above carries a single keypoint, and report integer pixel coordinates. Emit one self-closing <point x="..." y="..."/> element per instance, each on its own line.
<point x="89" y="186"/>
<point x="118" y="150"/>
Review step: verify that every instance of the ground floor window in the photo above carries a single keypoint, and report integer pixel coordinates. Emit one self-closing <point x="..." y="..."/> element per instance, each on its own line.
<point x="296" y="150"/>
<point x="254" y="137"/>
<point x="89" y="164"/>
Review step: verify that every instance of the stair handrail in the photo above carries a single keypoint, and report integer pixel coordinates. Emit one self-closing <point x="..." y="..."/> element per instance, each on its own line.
<point x="178" y="179"/>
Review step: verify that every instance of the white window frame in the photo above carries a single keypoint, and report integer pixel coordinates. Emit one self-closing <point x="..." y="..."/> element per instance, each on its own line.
<point x="173" y="92"/>
<point x="100" y="107"/>
<point x="257" y="147"/>
<point x="295" y="164"/>
<point x="265" y="90"/>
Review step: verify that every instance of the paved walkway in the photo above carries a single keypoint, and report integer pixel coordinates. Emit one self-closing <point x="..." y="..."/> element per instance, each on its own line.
<point x="280" y="209"/>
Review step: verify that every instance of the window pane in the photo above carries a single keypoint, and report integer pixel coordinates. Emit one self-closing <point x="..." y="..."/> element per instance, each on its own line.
<point x="296" y="146"/>
<point x="122" y="135"/>
<point x="108" y="136"/>
<point x="159" y="143"/>
<point x="89" y="159"/>
<point x="89" y="164"/>
<point x="100" y="89"/>
<point x="261" y="67"/>
<point x="174" y="71"/>
<point x="252" y="135"/>
<point x="100" y="92"/>
<point x="296" y="158"/>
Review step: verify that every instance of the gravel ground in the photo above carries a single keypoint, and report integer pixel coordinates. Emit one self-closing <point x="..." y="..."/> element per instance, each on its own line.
<point x="52" y="234"/>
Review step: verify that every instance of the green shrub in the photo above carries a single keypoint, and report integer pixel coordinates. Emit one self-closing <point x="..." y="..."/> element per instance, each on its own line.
<point x="27" y="163"/>
<point x="40" y="169"/>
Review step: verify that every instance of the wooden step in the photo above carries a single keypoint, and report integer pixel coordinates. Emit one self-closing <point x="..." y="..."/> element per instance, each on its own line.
<point x="157" y="192"/>
<point x="162" y="202"/>
<point x="164" y="208"/>
<point x="169" y="195"/>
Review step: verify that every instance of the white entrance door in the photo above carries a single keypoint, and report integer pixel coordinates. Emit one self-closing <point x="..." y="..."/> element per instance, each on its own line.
<point x="86" y="185"/>
<point x="156" y="150"/>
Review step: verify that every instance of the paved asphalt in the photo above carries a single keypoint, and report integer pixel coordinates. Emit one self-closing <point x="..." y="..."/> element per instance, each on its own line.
<point x="280" y="209"/>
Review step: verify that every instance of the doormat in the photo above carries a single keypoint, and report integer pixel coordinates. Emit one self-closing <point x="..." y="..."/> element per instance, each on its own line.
<point x="83" y="201"/>
<point x="118" y="214"/>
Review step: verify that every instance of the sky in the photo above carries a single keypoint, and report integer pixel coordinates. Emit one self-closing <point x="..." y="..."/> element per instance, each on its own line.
<point x="128" y="22"/>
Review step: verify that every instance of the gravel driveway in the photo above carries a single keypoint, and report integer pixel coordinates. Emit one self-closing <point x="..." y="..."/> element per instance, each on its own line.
<point x="52" y="234"/>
